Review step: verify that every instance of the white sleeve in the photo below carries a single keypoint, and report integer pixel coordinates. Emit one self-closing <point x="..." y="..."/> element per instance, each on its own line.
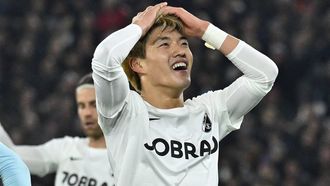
<point x="259" y="72"/>
<point x="111" y="83"/>
<point x="4" y="137"/>
<point x="41" y="159"/>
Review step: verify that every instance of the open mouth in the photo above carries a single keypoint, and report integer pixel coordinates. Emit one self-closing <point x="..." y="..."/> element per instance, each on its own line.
<point x="88" y="124"/>
<point x="180" y="66"/>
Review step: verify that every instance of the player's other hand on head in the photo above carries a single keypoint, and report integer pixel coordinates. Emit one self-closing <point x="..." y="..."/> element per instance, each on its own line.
<point x="146" y="18"/>
<point x="194" y="26"/>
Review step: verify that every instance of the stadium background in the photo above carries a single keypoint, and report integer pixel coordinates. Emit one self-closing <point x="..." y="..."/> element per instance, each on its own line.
<point x="45" y="46"/>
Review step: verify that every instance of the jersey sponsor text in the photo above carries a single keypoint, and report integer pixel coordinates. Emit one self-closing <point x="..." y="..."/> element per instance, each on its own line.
<point x="179" y="150"/>
<point x="74" y="179"/>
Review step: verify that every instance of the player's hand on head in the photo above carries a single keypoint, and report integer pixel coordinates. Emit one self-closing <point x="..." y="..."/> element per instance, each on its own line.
<point x="194" y="26"/>
<point x="146" y="18"/>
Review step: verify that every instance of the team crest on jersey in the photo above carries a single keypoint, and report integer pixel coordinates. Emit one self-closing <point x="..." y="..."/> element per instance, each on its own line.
<point x="207" y="125"/>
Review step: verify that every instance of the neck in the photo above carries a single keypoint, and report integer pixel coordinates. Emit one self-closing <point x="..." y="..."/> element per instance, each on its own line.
<point x="97" y="142"/>
<point x="163" y="98"/>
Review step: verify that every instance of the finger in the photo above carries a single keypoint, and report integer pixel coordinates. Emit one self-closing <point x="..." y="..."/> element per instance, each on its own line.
<point x="164" y="10"/>
<point x="170" y="10"/>
<point x="148" y="8"/>
<point x="157" y="7"/>
<point x="160" y="5"/>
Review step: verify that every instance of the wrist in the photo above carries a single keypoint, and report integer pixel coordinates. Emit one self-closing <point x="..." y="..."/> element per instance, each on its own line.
<point x="202" y="28"/>
<point x="214" y="36"/>
<point x="138" y="28"/>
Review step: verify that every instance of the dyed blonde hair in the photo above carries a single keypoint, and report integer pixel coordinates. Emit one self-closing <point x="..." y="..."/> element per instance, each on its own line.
<point x="165" y="22"/>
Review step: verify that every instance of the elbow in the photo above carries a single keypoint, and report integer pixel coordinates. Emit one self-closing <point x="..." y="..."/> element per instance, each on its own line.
<point x="99" y="53"/>
<point x="272" y="72"/>
<point x="269" y="77"/>
<point x="104" y="57"/>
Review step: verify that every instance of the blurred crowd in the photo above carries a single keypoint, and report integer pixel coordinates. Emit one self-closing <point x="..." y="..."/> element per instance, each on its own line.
<point x="46" y="46"/>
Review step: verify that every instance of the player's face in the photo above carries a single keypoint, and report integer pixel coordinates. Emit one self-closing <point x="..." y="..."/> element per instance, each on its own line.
<point x="85" y="98"/>
<point x="168" y="59"/>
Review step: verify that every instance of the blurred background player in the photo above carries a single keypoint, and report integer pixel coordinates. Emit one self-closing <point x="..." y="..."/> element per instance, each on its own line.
<point x="13" y="171"/>
<point x="76" y="160"/>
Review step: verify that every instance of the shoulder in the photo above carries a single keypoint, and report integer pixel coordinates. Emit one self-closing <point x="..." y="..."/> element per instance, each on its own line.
<point x="67" y="141"/>
<point x="75" y="140"/>
<point x="134" y="102"/>
<point x="134" y="96"/>
<point x="206" y="97"/>
<point x="211" y="100"/>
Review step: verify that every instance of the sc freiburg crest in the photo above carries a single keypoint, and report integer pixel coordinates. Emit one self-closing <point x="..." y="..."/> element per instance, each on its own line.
<point x="207" y="125"/>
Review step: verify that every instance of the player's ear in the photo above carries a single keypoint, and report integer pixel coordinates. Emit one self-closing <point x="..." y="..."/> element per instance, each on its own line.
<point x="136" y="65"/>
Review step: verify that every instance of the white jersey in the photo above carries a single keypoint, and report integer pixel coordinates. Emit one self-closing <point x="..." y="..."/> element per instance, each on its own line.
<point x="73" y="161"/>
<point x="148" y="146"/>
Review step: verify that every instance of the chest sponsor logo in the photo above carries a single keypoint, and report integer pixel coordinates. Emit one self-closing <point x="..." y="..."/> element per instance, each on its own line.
<point x="73" y="179"/>
<point x="187" y="150"/>
<point x="207" y="125"/>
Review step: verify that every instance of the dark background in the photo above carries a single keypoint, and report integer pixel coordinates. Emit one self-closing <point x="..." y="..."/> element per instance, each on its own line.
<point x="46" y="46"/>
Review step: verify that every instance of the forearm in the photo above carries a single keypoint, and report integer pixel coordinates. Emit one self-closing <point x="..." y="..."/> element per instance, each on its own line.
<point x="216" y="38"/>
<point x="12" y="169"/>
<point x="36" y="159"/>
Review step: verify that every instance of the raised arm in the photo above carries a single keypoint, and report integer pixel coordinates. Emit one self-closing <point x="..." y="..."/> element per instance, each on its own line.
<point x="111" y="84"/>
<point x="259" y="71"/>
<point x="259" y="76"/>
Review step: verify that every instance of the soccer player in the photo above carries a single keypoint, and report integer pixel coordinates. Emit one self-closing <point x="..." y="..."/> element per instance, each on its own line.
<point x="153" y="136"/>
<point x="13" y="171"/>
<point x="76" y="160"/>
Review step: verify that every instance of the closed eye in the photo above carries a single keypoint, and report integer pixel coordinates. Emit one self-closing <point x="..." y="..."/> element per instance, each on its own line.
<point x="164" y="45"/>
<point x="185" y="43"/>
